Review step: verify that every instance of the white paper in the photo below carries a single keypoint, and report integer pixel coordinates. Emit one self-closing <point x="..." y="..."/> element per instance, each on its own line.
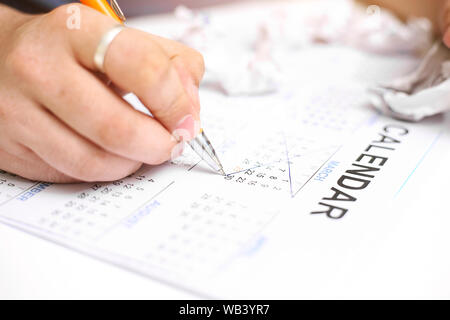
<point x="423" y="93"/>
<point x="247" y="56"/>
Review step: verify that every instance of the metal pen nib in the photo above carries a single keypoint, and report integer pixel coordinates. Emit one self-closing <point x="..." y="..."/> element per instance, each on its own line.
<point x="203" y="147"/>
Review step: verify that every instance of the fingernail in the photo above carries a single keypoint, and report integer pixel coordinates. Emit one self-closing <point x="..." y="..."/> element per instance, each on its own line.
<point x="185" y="130"/>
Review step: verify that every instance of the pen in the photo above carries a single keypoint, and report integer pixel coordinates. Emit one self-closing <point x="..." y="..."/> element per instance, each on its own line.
<point x="201" y="144"/>
<point x="111" y="10"/>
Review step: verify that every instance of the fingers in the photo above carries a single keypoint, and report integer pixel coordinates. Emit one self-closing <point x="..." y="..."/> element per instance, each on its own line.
<point x="87" y="106"/>
<point x="79" y="129"/>
<point x="162" y="74"/>
<point x="32" y="168"/>
<point x="14" y="157"/>
<point x="162" y="84"/>
<point x="66" y="151"/>
<point x="191" y="59"/>
<point x="193" y="65"/>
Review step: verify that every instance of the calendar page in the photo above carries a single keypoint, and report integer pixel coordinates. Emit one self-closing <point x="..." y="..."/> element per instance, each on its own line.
<point x="311" y="159"/>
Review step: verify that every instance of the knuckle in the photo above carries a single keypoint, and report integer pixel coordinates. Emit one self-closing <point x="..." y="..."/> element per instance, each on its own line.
<point x="176" y="105"/>
<point x="91" y="167"/>
<point x="116" y="133"/>
<point x="22" y="60"/>
<point x="28" y="64"/>
<point x="154" y="70"/>
<point x="54" y="176"/>
<point x="23" y="152"/>
<point x="30" y="56"/>
<point x="198" y="63"/>
<point x="179" y="103"/>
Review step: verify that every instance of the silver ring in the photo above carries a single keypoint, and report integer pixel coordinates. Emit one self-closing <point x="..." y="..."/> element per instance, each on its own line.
<point x="102" y="48"/>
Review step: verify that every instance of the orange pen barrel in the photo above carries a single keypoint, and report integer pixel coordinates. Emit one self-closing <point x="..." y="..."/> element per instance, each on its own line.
<point x="103" y="7"/>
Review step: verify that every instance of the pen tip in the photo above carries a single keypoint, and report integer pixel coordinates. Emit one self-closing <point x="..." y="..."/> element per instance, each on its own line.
<point x="222" y="172"/>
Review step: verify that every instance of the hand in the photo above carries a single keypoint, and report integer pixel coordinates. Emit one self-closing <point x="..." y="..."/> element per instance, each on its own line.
<point x="60" y="122"/>
<point x="446" y="22"/>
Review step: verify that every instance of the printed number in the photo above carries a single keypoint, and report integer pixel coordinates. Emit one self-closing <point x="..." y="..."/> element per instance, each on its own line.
<point x="241" y="180"/>
<point x="83" y="195"/>
<point x="106" y="190"/>
<point x="94" y="199"/>
<point x="70" y="204"/>
<point x="81" y="207"/>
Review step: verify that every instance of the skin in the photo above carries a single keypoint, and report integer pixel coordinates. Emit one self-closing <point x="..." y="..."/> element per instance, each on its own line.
<point x="438" y="11"/>
<point x="60" y="122"/>
<point x="445" y="23"/>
